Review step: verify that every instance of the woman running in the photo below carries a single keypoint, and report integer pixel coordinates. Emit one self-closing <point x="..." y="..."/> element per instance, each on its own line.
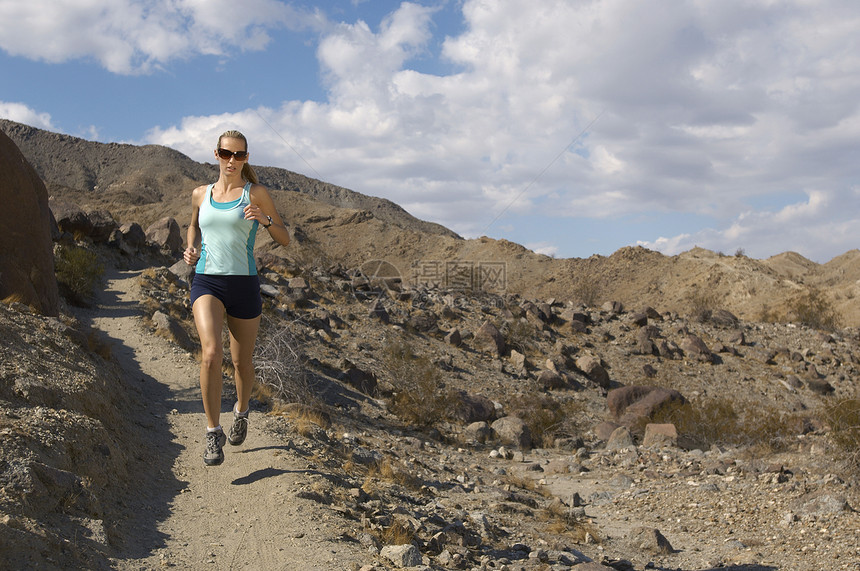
<point x="224" y="221"/>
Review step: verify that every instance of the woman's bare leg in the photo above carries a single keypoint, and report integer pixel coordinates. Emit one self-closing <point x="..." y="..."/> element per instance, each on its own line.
<point x="243" y="337"/>
<point x="209" y="318"/>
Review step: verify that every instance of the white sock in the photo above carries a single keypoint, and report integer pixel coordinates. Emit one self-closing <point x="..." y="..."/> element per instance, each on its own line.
<point x="236" y="410"/>
<point x="216" y="429"/>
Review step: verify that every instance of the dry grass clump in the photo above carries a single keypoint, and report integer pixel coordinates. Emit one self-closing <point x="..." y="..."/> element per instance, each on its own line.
<point x="385" y="471"/>
<point x="522" y="483"/>
<point x="728" y="422"/>
<point x="13" y="298"/>
<point x="78" y="273"/>
<point x="843" y="417"/>
<point x="307" y="420"/>
<point x="420" y="396"/>
<point x="562" y="520"/>
<point x="398" y="533"/>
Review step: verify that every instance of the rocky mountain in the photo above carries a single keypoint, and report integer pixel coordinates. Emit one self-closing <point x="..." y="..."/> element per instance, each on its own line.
<point x="334" y="225"/>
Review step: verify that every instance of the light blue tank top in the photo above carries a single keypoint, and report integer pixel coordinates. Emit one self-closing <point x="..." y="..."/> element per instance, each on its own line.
<point x="227" y="238"/>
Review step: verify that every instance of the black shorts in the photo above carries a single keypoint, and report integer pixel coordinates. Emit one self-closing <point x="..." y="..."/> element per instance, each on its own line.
<point x="239" y="294"/>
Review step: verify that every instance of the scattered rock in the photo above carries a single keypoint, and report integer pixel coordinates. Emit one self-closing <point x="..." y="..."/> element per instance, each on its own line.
<point x="402" y="555"/>
<point x="651" y="540"/>
<point x="592" y="367"/>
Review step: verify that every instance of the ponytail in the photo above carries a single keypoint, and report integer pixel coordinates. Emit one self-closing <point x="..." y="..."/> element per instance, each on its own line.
<point x="248" y="172"/>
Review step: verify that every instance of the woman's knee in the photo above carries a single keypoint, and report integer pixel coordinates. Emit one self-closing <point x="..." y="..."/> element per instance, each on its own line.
<point x="243" y="365"/>
<point x="211" y="356"/>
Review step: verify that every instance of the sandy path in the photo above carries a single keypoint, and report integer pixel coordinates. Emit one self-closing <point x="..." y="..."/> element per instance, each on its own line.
<point x="240" y="515"/>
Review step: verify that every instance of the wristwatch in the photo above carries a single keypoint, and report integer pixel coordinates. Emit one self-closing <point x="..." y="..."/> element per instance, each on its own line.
<point x="269" y="218"/>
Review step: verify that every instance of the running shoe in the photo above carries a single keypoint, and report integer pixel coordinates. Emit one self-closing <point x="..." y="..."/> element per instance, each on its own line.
<point x="214" y="454"/>
<point x="239" y="430"/>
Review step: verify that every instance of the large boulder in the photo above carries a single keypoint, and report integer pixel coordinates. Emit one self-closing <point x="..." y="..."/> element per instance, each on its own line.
<point x="470" y="407"/>
<point x="489" y="339"/>
<point x="165" y="234"/>
<point x="592" y="367"/>
<point x="26" y="250"/>
<point x="513" y="430"/>
<point x="71" y="218"/>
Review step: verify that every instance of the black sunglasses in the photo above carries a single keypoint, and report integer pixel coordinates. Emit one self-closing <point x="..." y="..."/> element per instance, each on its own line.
<point x="225" y="154"/>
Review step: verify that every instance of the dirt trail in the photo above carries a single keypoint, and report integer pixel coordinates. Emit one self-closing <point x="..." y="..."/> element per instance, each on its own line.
<point x="240" y="515"/>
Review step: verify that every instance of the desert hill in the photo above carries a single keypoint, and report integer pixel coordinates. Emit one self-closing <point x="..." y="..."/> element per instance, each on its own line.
<point x="334" y="225"/>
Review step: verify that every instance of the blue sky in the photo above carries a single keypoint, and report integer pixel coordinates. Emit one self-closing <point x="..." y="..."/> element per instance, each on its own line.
<point x="571" y="127"/>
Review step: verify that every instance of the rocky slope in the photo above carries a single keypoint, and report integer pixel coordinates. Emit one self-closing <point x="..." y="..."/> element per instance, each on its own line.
<point x="335" y="225"/>
<point x="456" y="429"/>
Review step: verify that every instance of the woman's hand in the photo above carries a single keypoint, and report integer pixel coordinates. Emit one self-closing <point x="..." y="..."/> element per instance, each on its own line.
<point x="254" y="212"/>
<point x="191" y="255"/>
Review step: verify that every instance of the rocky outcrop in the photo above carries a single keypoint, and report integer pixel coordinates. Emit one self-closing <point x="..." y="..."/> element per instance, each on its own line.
<point x="165" y="233"/>
<point x="26" y="251"/>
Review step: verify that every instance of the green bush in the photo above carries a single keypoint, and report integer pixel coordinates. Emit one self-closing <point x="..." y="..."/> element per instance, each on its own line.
<point x="78" y="273"/>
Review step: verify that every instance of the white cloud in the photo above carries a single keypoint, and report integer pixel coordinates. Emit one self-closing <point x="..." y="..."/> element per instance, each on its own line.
<point x="131" y="36"/>
<point x="709" y="109"/>
<point x="20" y="113"/>
<point x="544" y="248"/>
<point x="818" y="228"/>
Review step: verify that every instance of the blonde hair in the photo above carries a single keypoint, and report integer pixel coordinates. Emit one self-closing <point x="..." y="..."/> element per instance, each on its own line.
<point x="247" y="171"/>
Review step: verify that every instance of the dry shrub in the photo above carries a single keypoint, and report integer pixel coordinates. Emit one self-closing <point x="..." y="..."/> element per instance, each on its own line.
<point x="278" y="363"/>
<point x="843" y="417"/>
<point x="814" y="310"/>
<point x="728" y="422"/>
<point x="78" y="273"/>
<point x="397" y="534"/>
<point x="587" y="290"/>
<point x="702" y="302"/>
<point x="549" y="419"/>
<point x="768" y="314"/>
<point x="420" y="396"/>
<point x="520" y="334"/>
<point x="563" y="521"/>
<point x="306" y="419"/>
<point x="385" y="471"/>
